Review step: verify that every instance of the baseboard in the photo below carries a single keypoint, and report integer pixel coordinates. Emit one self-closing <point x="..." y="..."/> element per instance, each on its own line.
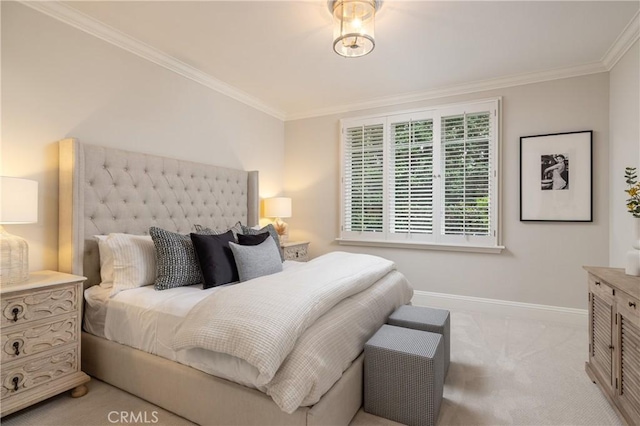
<point x="500" y="307"/>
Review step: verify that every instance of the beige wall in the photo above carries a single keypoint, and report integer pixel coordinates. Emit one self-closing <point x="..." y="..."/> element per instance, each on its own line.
<point x="59" y="82"/>
<point x="624" y="119"/>
<point x="542" y="262"/>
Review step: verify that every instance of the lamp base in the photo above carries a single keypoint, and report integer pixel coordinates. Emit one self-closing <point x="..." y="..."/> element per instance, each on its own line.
<point x="14" y="258"/>
<point x="633" y="263"/>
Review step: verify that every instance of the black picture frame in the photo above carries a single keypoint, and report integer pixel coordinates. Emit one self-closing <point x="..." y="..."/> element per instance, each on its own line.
<point x="556" y="177"/>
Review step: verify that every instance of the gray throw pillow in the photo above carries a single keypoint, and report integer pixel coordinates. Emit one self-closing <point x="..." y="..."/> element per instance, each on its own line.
<point x="271" y="230"/>
<point x="256" y="261"/>
<point x="236" y="229"/>
<point x="176" y="261"/>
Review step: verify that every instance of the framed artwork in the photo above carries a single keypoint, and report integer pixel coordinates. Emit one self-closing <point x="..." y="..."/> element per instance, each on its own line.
<point x="556" y="182"/>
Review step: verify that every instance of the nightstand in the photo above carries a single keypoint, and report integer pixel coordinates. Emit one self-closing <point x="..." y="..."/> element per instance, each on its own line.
<point x="40" y="348"/>
<point x="296" y="250"/>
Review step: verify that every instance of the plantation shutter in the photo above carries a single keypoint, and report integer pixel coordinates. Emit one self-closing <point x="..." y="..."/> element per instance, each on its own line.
<point x="422" y="177"/>
<point x="411" y="177"/>
<point x="467" y="174"/>
<point x="363" y="178"/>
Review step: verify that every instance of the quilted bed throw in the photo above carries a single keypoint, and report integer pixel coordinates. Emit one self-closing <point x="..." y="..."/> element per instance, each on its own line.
<point x="260" y="320"/>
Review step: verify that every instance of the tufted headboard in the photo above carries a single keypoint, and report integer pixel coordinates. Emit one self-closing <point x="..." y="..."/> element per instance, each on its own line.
<point x="104" y="190"/>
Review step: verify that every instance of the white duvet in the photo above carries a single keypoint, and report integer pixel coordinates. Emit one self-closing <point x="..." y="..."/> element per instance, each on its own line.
<point x="291" y="334"/>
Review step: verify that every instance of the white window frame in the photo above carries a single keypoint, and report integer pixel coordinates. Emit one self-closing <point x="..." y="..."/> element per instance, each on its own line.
<point x="473" y="243"/>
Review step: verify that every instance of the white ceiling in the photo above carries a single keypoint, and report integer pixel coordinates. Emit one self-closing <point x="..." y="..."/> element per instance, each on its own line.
<point x="281" y="52"/>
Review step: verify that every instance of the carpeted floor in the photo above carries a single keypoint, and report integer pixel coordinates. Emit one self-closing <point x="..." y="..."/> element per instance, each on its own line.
<point x="504" y="371"/>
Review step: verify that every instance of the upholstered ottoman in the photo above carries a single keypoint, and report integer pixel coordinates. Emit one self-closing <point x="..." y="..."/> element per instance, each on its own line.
<point x="404" y="375"/>
<point x="426" y="319"/>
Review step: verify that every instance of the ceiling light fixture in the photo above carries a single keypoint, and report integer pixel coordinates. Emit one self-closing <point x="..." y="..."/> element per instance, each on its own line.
<point x="353" y="26"/>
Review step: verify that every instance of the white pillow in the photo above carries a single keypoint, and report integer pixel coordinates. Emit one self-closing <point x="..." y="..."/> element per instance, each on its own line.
<point x="134" y="261"/>
<point x="106" y="261"/>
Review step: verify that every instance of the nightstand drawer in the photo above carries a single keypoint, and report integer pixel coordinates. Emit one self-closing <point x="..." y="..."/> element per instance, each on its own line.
<point x="297" y="252"/>
<point x="38" y="337"/>
<point x="38" y="305"/>
<point x="20" y="376"/>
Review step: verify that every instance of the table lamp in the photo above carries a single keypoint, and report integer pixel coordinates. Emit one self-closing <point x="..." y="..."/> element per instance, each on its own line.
<point x="278" y="208"/>
<point x="18" y="204"/>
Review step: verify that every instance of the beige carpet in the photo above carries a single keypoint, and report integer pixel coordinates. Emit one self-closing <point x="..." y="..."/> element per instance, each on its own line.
<point x="504" y="371"/>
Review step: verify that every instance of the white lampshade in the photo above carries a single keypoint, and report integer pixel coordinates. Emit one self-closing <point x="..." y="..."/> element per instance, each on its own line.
<point x="18" y="200"/>
<point x="277" y="207"/>
<point x="18" y="204"/>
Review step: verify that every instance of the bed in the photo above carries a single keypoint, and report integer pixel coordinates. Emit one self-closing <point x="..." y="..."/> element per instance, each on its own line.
<point x="105" y="190"/>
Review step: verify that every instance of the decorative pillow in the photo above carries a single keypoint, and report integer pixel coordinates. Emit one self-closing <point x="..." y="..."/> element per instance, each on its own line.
<point x="236" y="229"/>
<point x="134" y="261"/>
<point x="177" y="264"/>
<point x="215" y="258"/>
<point x="252" y="240"/>
<point x="256" y="261"/>
<point x="271" y="230"/>
<point x="106" y="261"/>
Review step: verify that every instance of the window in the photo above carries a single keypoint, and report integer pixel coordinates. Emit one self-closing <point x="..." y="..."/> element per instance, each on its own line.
<point x="426" y="177"/>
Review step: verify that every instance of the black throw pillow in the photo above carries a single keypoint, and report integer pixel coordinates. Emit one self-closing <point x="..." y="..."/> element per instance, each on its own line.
<point x="215" y="258"/>
<point x="252" y="240"/>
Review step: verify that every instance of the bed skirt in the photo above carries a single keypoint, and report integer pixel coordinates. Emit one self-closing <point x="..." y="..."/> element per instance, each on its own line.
<point x="210" y="400"/>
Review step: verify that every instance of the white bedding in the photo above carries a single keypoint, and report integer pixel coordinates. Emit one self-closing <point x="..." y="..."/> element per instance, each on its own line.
<point x="148" y="320"/>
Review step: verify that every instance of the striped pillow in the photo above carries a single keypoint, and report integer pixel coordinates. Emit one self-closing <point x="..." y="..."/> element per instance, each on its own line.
<point x="134" y="261"/>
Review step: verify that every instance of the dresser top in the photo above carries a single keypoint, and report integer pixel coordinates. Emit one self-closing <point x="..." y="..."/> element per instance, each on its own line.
<point x="617" y="278"/>
<point x="41" y="279"/>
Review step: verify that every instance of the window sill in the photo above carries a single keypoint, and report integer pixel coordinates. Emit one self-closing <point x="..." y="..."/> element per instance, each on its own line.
<point x="421" y="245"/>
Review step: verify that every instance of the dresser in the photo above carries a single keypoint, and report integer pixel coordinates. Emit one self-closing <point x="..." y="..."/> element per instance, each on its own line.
<point x="614" y="339"/>
<point x="40" y="348"/>
<point x="296" y="250"/>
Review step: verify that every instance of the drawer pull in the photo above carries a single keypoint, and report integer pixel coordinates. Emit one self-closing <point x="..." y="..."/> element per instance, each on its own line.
<point x="15" y="312"/>
<point x="16" y="347"/>
<point x="15" y="383"/>
<point x="632" y="305"/>
<point x="610" y="346"/>
<point x="597" y="283"/>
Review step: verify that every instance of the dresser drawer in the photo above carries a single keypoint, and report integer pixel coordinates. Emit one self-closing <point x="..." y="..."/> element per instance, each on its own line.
<point x="38" y="337"/>
<point x="20" y="376"/>
<point x="601" y="288"/>
<point x="38" y="305"/>
<point x="628" y="307"/>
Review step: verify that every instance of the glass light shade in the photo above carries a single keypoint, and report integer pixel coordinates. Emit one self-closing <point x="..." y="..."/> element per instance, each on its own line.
<point x="277" y="207"/>
<point x="353" y="27"/>
<point x="18" y="200"/>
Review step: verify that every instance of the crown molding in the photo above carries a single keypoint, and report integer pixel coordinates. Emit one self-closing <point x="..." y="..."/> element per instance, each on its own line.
<point x="460" y="89"/>
<point x="625" y="40"/>
<point x="83" y="22"/>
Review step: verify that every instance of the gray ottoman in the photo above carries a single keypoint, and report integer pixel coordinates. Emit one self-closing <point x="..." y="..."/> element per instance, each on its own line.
<point x="404" y="375"/>
<point x="426" y="319"/>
